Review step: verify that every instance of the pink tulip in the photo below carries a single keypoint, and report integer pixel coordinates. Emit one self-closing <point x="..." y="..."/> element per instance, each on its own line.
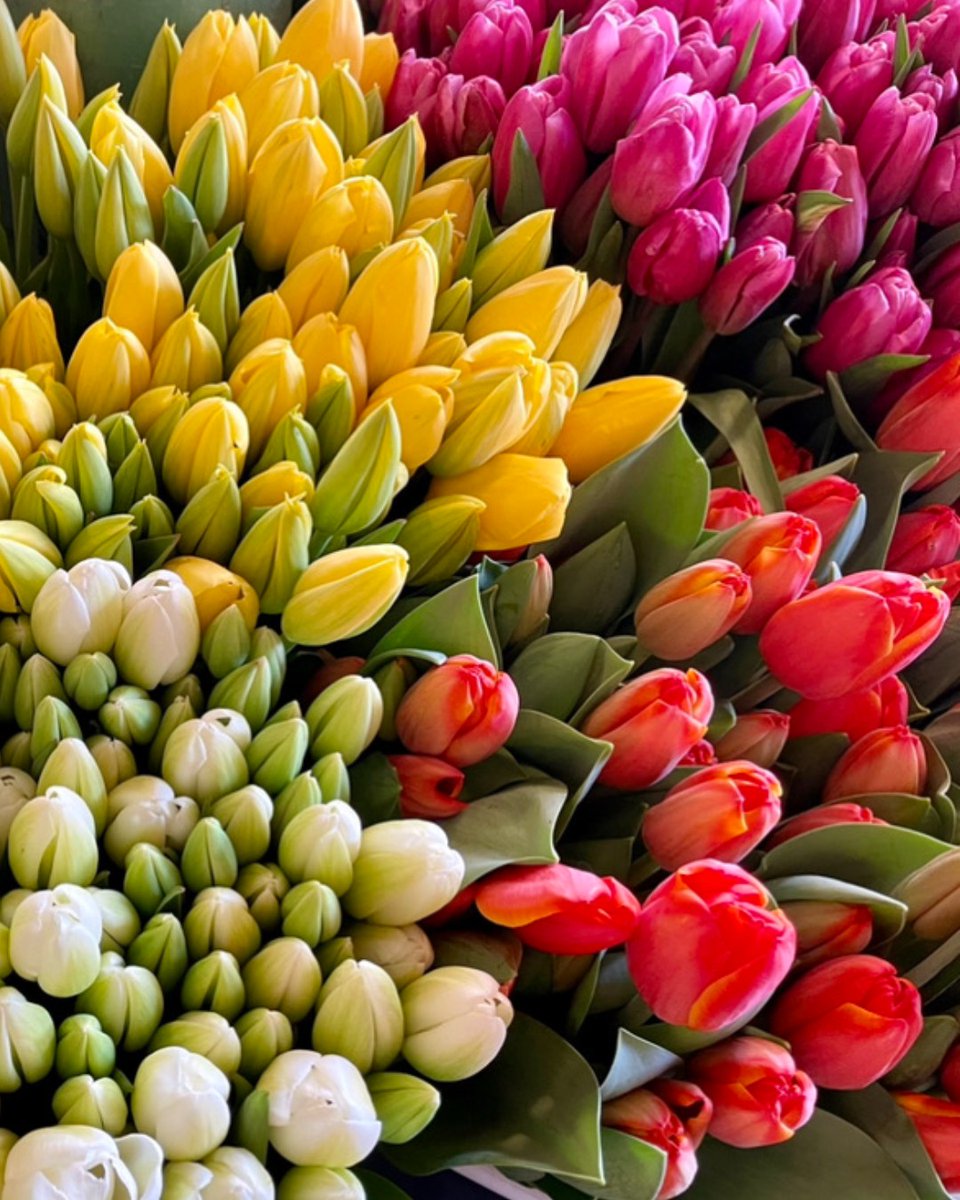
<point x="942" y="90"/>
<point x="710" y="66"/>
<point x="893" y="142"/>
<point x="674" y="259"/>
<point x="540" y="112"/>
<point x="734" y="22"/>
<point x="735" y="123"/>
<point x="407" y="21"/>
<point x="937" y="35"/>
<point x="746" y="286"/>
<point x="775" y="219"/>
<point x="414" y="90"/>
<point x="497" y="42"/>
<point x="826" y="25"/>
<point x="466" y="114"/>
<point x="901" y="244"/>
<point x="838" y="238"/>
<point x="770" y="87"/>
<point x="446" y="18"/>
<point x="855" y="75"/>
<point x="936" y="197"/>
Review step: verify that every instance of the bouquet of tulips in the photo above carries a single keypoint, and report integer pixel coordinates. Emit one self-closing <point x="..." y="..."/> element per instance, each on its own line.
<point x="425" y="743"/>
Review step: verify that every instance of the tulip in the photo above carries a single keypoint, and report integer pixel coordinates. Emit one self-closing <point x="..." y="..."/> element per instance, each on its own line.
<point x="112" y="129"/>
<point x="405" y="1105"/>
<point x="893" y="142"/>
<point x="28" y="336"/>
<point x="83" y="1161"/>
<point x="463" y="115"/>
<point x="79" y="611"/>
<point x="674" y="259"/>
<point x="415" y="92"/>
<point x="778" y="553"/>
<point x="264" y="1034"/>
<point x="345" y="717"/>
<point x="828" y="929"/>
<point x="159" y="636"/>
<point x="540" y="112"/>
<point x="455" y="1022"/>
<point x="187" y="356"/>
<point x="150" y="100"/>
<point x="589" y="335"/>
<point x="758" y="736"/>
<point x="932" y="198"/>
<point x="710" y="66"/>
<point x="721" y="812"/>
<point x="652" y="722"/>
<point x="855" y="714"/>
<point x="344" y="594"/>
<point x="228" y="1169"/>
<point x="143" y="293"/>
<point x="942" y="90"/>
<point x="496" y="41"/>
<point x="214" y="590"/>
<point x="214" y="984"/>
<point x="26" y="415"/>
<point x="305" y="155"/>
<point x="268" y="383"/>
<point x="317" y="284"/>
<point x="311" y="912"/>
<point x="924" y="538"/>
<point x="355" y="215"/>
<point x="935" y="1122"/>
<point x="283" y="92"/>
<point x="735" y="123"/>
<point x="850" y="635"/>
<point x="771" y="87"/>
<point x="730" y="507"/>
<point x="323" y="33"/>
<point x="405" y="871"/>
<point x="130" y="714"/>
<point x="541" y="306"/>
<point x="404" y="952"/>
<point x="322" y="843"/>
<point x="324" y="345"/>
<point x="462" y="711"/>
<point x="690" y="610"/>
<point x="710" y="948"/>
<point x="642" y="1114"/>
<point x="14" y="72"/>
<point x="55" y="940"/>
<point x="829" y="502"/>
<point x="885" y="760"/>
<point x="736" y="23"/>
<point x="107" y="352"/>
<point x="824" y="27"/>
<point x="47" y="35"/>
<point x="380" y="58"/>
<point x="429" y="787"/>
<point x="283" y="976"/>
<point x="759" y="1097"/>
<point x="180" y="1099"/>
<point x="262" y="319"/>
<point x="52" y="841"/>
<point x="359" y="1016"/>
<point x="84" y="1049"/>
<point x="930" y="894"/>
<point x="746" y="286"/>
<point x="211" y="165"/>
<point x="822" y="1014"/>
<point x="854" y="76"/>
<point x="839" y="239"/>
<point x="910" y="426"/>
<point x="219" y="57"/>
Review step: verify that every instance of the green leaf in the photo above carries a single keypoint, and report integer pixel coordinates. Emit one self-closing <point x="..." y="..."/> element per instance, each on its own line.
<point x="867" y="378"/>
<point x="937" y="671"/>
<point x="883" y="477"/>
<point x="451" y="622"/>
<point x="850" y="427"/>
<point x="552" y="49"/>
<point x="583" y="997"/>
<point x="514" y="826"/>
<point x="878" y="857"/>
<point x="923" y="1059"/>
<point x="536" y="1106"/>
<point x="844" y="467"/>
<point x="732" y="413"/>
<point x="478" y="235"/>
<point x="889" y="915"/>
<point x="812" y="760"/>
<point x="592" y="590"/>
<point x="635" y="1062"/>
<point x="944" y="733"/>
<point x="614" y="988"/>
<point x="910" y="812"/>
<point x="827" y="1157"/>
<point x="375" y="1187"/>
<point x="375" y="789"/>
<point x="604" y="221"/>
<point x="844" y="544"/>
<point x="525" y="194"/>
<point x="935" y="246"/>
<point x="814" y="207"/>
<point x="562" y="673"/>
<point x="633" y="1169"/>
<point x="746" y="58"/>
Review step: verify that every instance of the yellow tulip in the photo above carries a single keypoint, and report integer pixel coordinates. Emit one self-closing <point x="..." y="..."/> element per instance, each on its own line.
<point x="391" y="305"/>
<point x="542" y="306"/>
<point x="322" y="33"/>
<point x="28" y="337"/>
<point x="493" y="420"/>
<point x="587" y="339"/>
<point x="324" y="340"/>
<point x="344" y="594"/>
<point x="344" y="108"/>
<point x="112" y="128"/>
<point x="440" y="536"/>
<point x="9" y="293"/>
<point x="474" y="168"/>
<point x="390" y="157"/>
<point x="380" y="60"/>
<point x="610" y="420"/>
<point x="26" y="416"/>
<point x="422" y="414"/>
<point x="262" y="319"/>
<point x="27" y="559"/>
<point x="108" y="370"/>
<point x="297" y="163"/>
<point x="454" y="197"/>
<point x="211" y="167"/>
<point x="150" y="406"/>
<point x="442" y="349"/>
<point x="187" y="355"/>
<point x="519" y="251"/>
<point x="214" y="588"/>
<point x="272" y="486"/>
<point x="151" y="99"/>
<point x="281" y="93"/>
<point x="143" y="293"/>
<point x="356" y="215"/>
<point x="13" y="71"/>
<point x="266" y="37"/>
<point x="549" y="390"/>
<point x="212" y="432"/>
<point x="318" y="284"/>
<point x="526" y="499"/>
<point x="58" y="156"/>
<point x="219" y="57"/>
<point x="267" y="384"/>
<point x="47" y="34"/>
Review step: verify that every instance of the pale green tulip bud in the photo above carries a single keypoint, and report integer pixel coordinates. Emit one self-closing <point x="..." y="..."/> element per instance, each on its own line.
<point x="135" y="480"/>
<point x="220" y="920"/>
<point x="226" y="642"/>
<point x="13" y="71"/>
<point x="302" y="792"/>
<point x="440" y="536"/>
<point x="188" y="686"/>
<point x="149" y="878"/>
<point x="214" y="984"/>
<point x="209" y="525"/>
<point x="245" y="816"/>
<point x="359" y="1016"/>
<point x="404" y="951"/>
<point x="89" y="679"/>
<point x="55" y="940"/>
<point x="275" y="552"/>
<point x="159" y="636"/>
<point x="276" y="754"/>
<point x="15" y="752"/>
<point x="331" y="954"/>
<point x="405" y="871"/>
<point x="209" y="859"/>
<point x="126" y="1000"/>
<point x="311" y="912"/>
<point x="264" y="1033"/>
<point x="267" y="643"/>
<point x="153" y="529"/>
<point x="84" y="1049"/>
<point x="331" y="773"/>
<point x="123" y="215"/>
<point x="455" y="1021"/>
<point x="394" y="163"/>
<point x="121" y="924"/>
<point x="98" y="1103"/>
<point x="83" y="456"/>
<point x="177" y="714"/>
<point x="52" y="722"/>
<point x="246" y="690"/>
<point x="263" y="886"/>
<point x="228" y="1172"/>
<point x="28" y="1041"/>
<point x="345" y="718"/>
<point x="358" y="487"/>
<point x="184" y="241"/>
<point x="52" y="840"/>
<point x="27" y="558"/>
<point x="130" y="715"/>
<point x="11" y="902"/>
<point x="202" y="760"/>
<point x="320" y="1183"/>
<point x="16" y="632"/>
<point x="322" y="843"/>
<point x="10" y="664"/>
<point x="71" y="765"/>
<point x="285" y="976"/>
<point x="120" y="436"/>
<point x="344" y="109"/>
<point x="204" y="1033"/>
<point x="216" y="294"/>
<point x="405" y="1105"/>
<point x="16" y="788"/>
<point x="44" y="82"/>
<point x="107" y="538"/>
<point x="161" y="948"/>
<point x="150" y="100"/>
<point x="294" y="440"/>
<point x="44" y="498"/>
<point x="6" y="966"/>
<point x="332" y="412"/>
<point x="114" y="758"/>
<point x="181" y="1100"/>
<point x="393" y="680"/>
<point x="161" y="429"/>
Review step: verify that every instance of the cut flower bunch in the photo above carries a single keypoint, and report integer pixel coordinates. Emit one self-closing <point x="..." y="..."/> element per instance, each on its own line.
<point x="430" y="736"/>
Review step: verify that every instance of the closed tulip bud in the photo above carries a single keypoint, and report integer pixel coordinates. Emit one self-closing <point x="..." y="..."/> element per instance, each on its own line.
<point x="269" y="383"/>
<point x="219" y="57"/>
<point x="204" y="1033"/>
<point x="13" y="71"/>
<point x="330" y="349"/>
<point x="829" y="502"/>
<point x="924" y="538"/>
<point x="919" y="419"/>
<point x="282" y="92"/>
<point x="284" y="976"/>
<point x="819" y="1014"/>
<point x="265" y="318"/>
<point x="106" y="538"/>
<point x="671" y="1115"/>
<point x="122" y="216"/>
<point x="440" y="536"/>
<point x="220" y="920"/>
<point x="38" y="678"/>
<point x="214" y="984"/>
<point x="359" y="1016"/>
<point x="932" y="198"/>
<point x="276" y="754"/>
<point x="356" y="489"/>
<point x="589" y="335"/>
<point x="542" y="306"/>
<point x="180" y="1098"/>
<point x="220" y="430"/>
<point x="150" y="100"/>
<point x="209" y="859"/>
<point x="405" y="871"/>
<point x="110" y="130"/>
<point x="343" y="108"/>
<point x="226" y="642"/>
<point x="380" y="57"/>
<point x="321" y="842"/>
<point x="893" y="142"/>
<point x="159" y="635"/>
<point x="275" y="553"/>
<point x="323" y="33"/>
<point x="29" y="1040"/>
<point x="930" y="894"/>
<point x="202" y="760"/>
<point x="245" y="816"/>
<point x="246" y="690"/>
<point x="455" y="1021"/>
<point x="83" y="458"/>
<point x="746" y="286"/>
<point x="209" y="524"/>
<point x="355" y="216"/>
<point x="689" y="611"/>
<point x="405" y="1104"/>
<point x="107" y="351"/>
<point x="311" y="912"/>
<point x="187" y="356"/>
<point x="55" y="940"/>
<point x="345" y="593"/>
<point x="71" y="765"/>
<point x="130" y="715"/>
<point x="404" y="952"/>
<point x="143" y="293"/>
<point x="779" y="553"/>
<point x="211" y="165"/>
<point x="854" y="76"/>
<point x="26" y="413"/>
<point x="83" y="1048"/>
<point x="161" y="949"/>
<point x="521" y="250"/>
<point x="58" y="157"/>
<point x="47" y="35"/>
<point x="44" y="499"/>
<point x="43" y="80"/>
<point x="299" y="794"/>
<point x="121" y="923"/>
<point x="15" y="752"/>
<point x="264" y="1034"/>
<point x="52" y="721"/>
<point x="216" y="298"/>
<point x="715" y="900"/>
<point x="827" y="929"/>
<point x="97" y="1103"/>
<point x="758" y="736"/>
<point x="317" y="284"/>
<point x="52" y="841"/>
<point x="150" y="876"/>
<point x="886" y="760"/>
<point x="114" y="758"/>
<point x="126" y="1000"/>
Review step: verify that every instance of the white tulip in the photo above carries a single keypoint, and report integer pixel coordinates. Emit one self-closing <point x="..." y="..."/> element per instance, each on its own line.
<point x="79" y="611"/>
<point x="53" y="840"/>
<point x="405" y="871"/>
<point x="81" y="1163"/>
<point x="55" y="940"/>
<point x="180" y="1099"/>
<point x="159" y="636"/>
<point x="16" y="788"/>
<point x="455" y="1021"/>
<point x="227" y="1174"/>
<point x="202" y="760"/>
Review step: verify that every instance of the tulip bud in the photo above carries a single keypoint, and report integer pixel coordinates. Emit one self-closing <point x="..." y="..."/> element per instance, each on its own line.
<point x="83" y="458"/>
<point x="13" y="71"/>
<point x="180" y="1098"/>
<point x="344" y="594"/>
<point x="405" y="1105"/>
<point x="404" y="871"/>
<point x="204" y="1033"/>
<point x="121" y="923"/>
<point x="209" y="524"/>
<point x="827" y="929"/>
<point x="689" y="611"/>
<point x="345" y="718"/>
<point x="29" y="1041"/>
<point x="202" y="760"/>
<point x="778" y="553"/>
<point x="214" y="984"/>
<point x="283" y="976"/>
<point x="321" y="842"/>
<point x="885" y="760"/>
<point x="280" y="93"/>
<point x="114" y="758"/>
<point x="106" y="351"/>
<point x="757" y="736"/>
<point x="317" y="284"/>
<point x="161" y="949"/>
<point x="47" y="35"/>
<point x="264" y="1034"/>
<point x="55" y="940"/>
<point x="148" y="105"/>
<point x="52" y="841"/>
<point x="130" y="715"/>
<point x="43" y="80"/>
<point x="220" y="920"/>
<point x="455" y="1021"/>
<point x="404" y="952"/>
<point x="159" y="635"/>
<point x="187" y="356"/>
<point x="219" y="57"/>
<point x="212" y="165"/>
<point x="89" y="679"/>
<point x="372" y="1034"/>
<point x="71" y="765"/>
<point x="97" y="1103"/>
<point x="126" y="1000"/>
<point x="83" y="1048"/>
<point x="143" y="293"/>
<point x="931" y="897"/>
<point x="276" y="754"/>
<point x="746" y="286"/>
<point x="209" y="859"/>
<point x="323" y="33"/>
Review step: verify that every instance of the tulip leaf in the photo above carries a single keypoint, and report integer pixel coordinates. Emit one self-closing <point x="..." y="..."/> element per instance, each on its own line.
<point x="451" y="622"/>
<point x="898" y="808"/>
<point x="923" y="1059"/>
<point x="512" y="826"/>
<point x="496" y="951"/>
<point x="375" y="1187"/>
<point x="525" y="194"/>
<point x="562" y="752"/>
<point x="931" y="250"/>
<point x="850" y="427"/>
<point x="937" y="671"/>
<point x="583" y="997"/>
<point x="374" y="789"/>
<point x="602" y="856"/>
<point x="844" y="544"/>
<point x="633" y="1169"/>
<point x="878" y="857"/>
<point x="883" y="476"/>
<point x="552" y="48"/>
<point x="567" y="674"/>
<point x="889" y="915"/>
<point x="479" y="235"/>
<point x="733" y="414"/>
<point x="635" y="1062"/>
<point x="827" y="1157"/>
<point x="944" y="733"/>
<point x="874" y="1111"/>
<point x="745" y="61"/>
<point x="593" y="589"/>
<point x="770" y="126"/>
<point x="537" y="1106"/>
<point x="614" y="987"/>
<point x="866" y="378"/>
<point x="813" y="208"/>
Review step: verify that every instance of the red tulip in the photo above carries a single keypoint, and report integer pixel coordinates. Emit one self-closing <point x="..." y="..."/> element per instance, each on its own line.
<point x="829" y="502"/>
<point x="851" y="634"/>
<point x="462" y="711"/>
<point x="927" y="419"/>
<point x="711" y="948"/>
<point x="823" y="816"/>
<point x="700" y="755"/>
<point x="759" y="1097"/>
<point x="886" y="760"/>
<point x="849" y="1021"/>
<point x="652" y="722"/>
<point x="691" y="609"/>
<point x="948" y="580"/>
<point x="950" y="1073"/>
<point x="787" y="457"/>
<point x="938" y="1124"/>
<point x="827" y="929"/>
<point x="559" y="909"/>
<point x="924" y="538"/>
<point x="779" y="553"/>
<point x="758" y="736"/>
<point x="729" y="507"/>
<point x="854" y="714"/>
<point x="429" y="787"/>
<point x="644" y="1115"/>
<point x="690" y="1104"/>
